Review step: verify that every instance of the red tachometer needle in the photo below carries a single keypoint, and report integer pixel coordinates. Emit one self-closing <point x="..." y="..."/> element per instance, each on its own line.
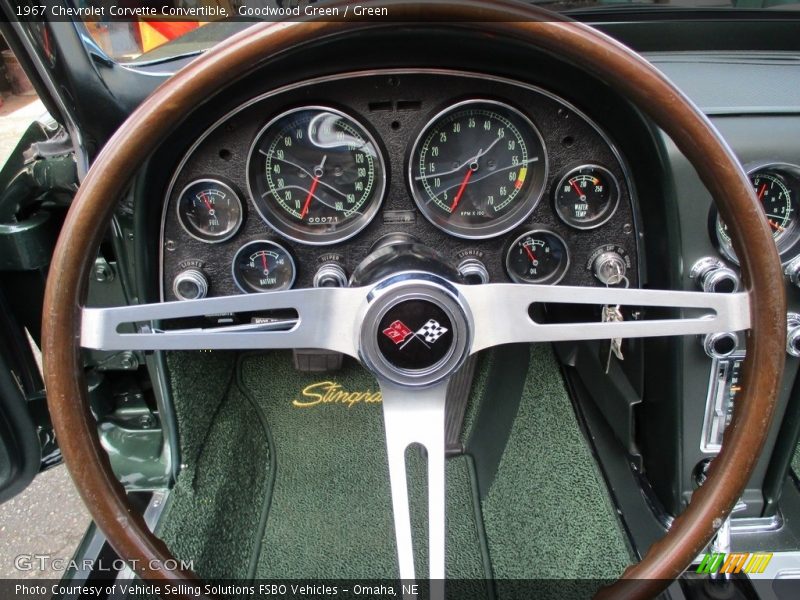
<point x="460" y="191"/>
<point x="774" y="225"/>
<point x="761" y="191"/>
<point x="311" y="191"/>
<point x="530" y="254"/>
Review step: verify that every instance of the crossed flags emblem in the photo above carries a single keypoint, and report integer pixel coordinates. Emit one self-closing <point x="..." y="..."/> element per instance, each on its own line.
<point x="399" y="332"/>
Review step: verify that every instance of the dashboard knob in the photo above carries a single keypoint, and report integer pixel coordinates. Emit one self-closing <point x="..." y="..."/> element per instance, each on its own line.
<point x="792" y="271"/>
<point x="191" y="284"/>
<point x="721" y="344"/>
<point x="330" y="275"/>
<point x="473" y="271"/>
<point x="609" y="268"/>
<point x="712" y="275"/>
<point x="793" y="334"/>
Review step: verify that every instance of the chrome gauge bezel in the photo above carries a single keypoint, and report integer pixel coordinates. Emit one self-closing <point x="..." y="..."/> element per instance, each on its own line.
<point x="214" y="182"/>
<point x="788" y="244"/>
<point x="529" y="232"/>
<point x="503" y="224"/>
<point x="268" y="243"/>
<point x="324" y="239"/>
<point x="610" y="210"/>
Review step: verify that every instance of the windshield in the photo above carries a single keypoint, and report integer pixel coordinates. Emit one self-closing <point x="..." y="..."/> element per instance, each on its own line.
<point x="145" y="31"/>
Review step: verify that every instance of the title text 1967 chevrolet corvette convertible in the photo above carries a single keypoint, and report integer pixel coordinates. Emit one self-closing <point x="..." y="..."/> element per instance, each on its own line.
<point x="463" y="299"/>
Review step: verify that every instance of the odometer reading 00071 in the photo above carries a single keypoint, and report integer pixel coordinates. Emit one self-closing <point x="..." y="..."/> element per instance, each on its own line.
<point x="478" y="169"/>
<point x="316" y="175"/>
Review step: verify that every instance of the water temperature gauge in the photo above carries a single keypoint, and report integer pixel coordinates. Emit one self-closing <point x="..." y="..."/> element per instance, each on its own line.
<point x="586" y="197"/>
<point x="263" y="266"/>
<point x="537" y="256"/>
<point x="210" y="211"/>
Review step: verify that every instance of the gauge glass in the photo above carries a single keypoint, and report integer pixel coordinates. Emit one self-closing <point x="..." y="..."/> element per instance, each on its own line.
<point x="263" y="266"/>
<point x="586" y="197"/>
<point x="537" y="256"/>
<point x="210" y="211"/>
<point x="316" y="175"/>
<point x="776" y="189"/>
<point x="478" y="169"/>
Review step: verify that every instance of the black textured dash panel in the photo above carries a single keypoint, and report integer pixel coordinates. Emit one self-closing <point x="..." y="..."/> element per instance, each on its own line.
<point x="395" y="107"/>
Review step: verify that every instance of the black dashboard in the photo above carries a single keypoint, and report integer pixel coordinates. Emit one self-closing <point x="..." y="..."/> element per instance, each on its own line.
<point x="293" y="188"/>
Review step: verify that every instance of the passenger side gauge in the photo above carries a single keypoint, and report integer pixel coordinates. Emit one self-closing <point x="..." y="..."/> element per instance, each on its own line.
<point x="316" y="175"/>
<point x="777" y="187"/>
<point x="586" y="197"/>
<point x="478" y="169"/>
<point x="263" y="266"/>
<point x="538" y="256"/>
<point x="210" y="211"/>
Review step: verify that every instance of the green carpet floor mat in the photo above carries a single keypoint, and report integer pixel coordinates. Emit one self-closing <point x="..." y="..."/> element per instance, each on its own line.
<point x="216" y="505"/>
<point x="547" y="514"/>
<point x="285" y="476"/>
<point x="330" y="514"/>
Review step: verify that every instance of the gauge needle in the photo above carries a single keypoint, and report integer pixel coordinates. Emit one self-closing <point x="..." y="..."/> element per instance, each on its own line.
<point x="207" y="203"/>
<point x="318" y="172"/>
<point x="774" y="225"/>
<point x="460" y="191"/>
<point x="311" y="191"/>
<point x="264" y="263"/>
<point x="761" y="191"/>
<point x="530" y="254"/>
<point x="577" y="189"/>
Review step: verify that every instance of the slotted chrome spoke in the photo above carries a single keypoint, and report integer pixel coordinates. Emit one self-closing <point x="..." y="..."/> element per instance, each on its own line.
<point x="326" y="318"/>
<point x="417" y="416"/>
<point x="502" y="313"/>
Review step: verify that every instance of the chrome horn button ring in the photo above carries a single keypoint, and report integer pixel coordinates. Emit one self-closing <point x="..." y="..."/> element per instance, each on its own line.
<point x="415" y="331"/>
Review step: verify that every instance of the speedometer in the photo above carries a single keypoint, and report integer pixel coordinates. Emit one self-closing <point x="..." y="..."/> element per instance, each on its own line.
<point x="478" y="169"/>
<point x="316" y="175"/>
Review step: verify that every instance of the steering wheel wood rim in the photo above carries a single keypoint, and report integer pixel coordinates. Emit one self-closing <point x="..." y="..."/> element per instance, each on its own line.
<point x="620" y="67"/>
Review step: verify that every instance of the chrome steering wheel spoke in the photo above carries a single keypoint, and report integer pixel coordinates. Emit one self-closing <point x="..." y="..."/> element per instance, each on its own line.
<point x="504" y="313"/>
<point x="417" y="416"/>
<point x="325" y="318"/>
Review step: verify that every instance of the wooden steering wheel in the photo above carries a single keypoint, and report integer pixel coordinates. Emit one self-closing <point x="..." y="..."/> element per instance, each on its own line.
<point x="760" y="309"/>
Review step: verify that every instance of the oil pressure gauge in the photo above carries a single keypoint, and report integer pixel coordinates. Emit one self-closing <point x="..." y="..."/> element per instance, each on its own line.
<point x="210" y="211"/>
<point x="263" y="266"/>
<point x="537" y="256"/>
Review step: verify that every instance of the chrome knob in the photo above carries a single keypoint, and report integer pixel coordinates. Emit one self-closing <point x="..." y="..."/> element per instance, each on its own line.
<point x="793" y="334"/>
<point x="712" y="275"/>
<point x="721" y="344"/>
<point x="330" y="275"/>
<point x="609" y="268"/>
<point x="473" y="271"/>
<point x="191" y="284"/>
<point x="792" y="272"/>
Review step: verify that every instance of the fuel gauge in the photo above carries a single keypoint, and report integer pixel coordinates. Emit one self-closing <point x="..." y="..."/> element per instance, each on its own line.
<point x="538" y="256"/>
<point x="263" y="266"/>
<point x="210" y="211"/>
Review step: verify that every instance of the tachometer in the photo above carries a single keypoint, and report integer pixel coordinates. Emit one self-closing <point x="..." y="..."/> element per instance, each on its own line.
<point x="478" y="169"/>
<point x="316" y="175"/>
<point x="777" y="188"/>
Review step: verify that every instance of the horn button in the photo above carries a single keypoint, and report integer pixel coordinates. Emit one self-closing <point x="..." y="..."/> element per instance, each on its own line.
<point x="415" y="335"/>
<point x="415" y="330"/>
